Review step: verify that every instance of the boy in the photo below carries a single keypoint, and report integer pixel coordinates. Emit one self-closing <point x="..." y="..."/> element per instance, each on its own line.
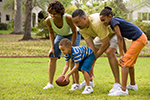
<point x="83" y="58"/>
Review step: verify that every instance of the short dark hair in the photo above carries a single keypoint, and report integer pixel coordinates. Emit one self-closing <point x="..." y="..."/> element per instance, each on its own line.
<point x="78" y="12"/>
<point x="106" y="11"/>
<point x="65" y="42"/>
<point x="57" y="6"/>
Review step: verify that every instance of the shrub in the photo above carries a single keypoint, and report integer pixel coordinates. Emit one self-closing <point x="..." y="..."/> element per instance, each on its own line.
<point x="3" y="26"/>
<point x="145" y="27"/>
<point x="34" y="29"/>
<point x="44" y="33"/>
<point x="42" y="25"/>
<point x="10" y="25"/>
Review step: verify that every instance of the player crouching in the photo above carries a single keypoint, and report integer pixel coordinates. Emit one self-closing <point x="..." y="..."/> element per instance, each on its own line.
<point x="83" y="58"/>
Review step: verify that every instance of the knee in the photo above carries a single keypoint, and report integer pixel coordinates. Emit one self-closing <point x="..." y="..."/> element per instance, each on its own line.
<point x="52" y="60"/>
<point x="110" y="51"/>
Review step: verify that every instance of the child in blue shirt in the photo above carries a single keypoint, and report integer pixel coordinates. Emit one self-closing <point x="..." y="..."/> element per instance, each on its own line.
<point x="128" y="58"/>
<point x="83" y="58"/>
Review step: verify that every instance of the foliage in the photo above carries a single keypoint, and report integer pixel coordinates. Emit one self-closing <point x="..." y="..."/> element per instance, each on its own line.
<point x="42" y="25"/>
<point x="10" y="25"/>
<point x="3" y="26"/>
<point x="115" y="5"/>
<point x="134" y="2"/>
<point x="24" y="79"/>
<point x="145" y="27"/>
<point x="34" y="29"/>
<point x="70" y="9"/>
<point x="97" y="7"/>
<point x="90" y="10"/>
<point x="8" y="5"/>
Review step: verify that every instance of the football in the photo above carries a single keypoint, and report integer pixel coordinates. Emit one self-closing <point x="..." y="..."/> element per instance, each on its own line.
<point x="60" y="82"/>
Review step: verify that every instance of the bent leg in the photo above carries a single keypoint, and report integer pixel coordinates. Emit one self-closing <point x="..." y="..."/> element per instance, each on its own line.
<point x="86" y="77"/>
<point x="132" y="75"/>
<point x="73" y="75"/>
<point x="113" y="63"/>
<point x="124" y="71"/>
<point x="51" y="69"/>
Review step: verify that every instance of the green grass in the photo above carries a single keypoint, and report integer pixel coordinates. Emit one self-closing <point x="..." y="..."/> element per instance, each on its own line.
<point x="24" y="78"/>
<point x="5" y="31"/>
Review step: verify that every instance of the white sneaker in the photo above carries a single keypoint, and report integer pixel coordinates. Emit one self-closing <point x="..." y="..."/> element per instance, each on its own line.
<point x="133" y="87"/>
<point x="119" y="92"/>
<point x="115" y="87"/>
<point x="48" y="86"/>
<point x="75" y="87"/>
<point x="87" y="90"/>
<point x="83" y="84"/>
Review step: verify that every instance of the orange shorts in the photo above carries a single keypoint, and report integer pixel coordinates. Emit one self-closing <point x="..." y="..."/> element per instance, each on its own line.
<point x="132" y="53"/>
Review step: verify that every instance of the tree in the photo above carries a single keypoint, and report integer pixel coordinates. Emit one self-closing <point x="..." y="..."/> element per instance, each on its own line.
<point x="118" y="4"/>
<point x="18" y="18"/>
<point x="27" y="33"/>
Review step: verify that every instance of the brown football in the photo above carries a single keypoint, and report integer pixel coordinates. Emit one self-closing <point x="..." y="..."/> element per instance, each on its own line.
<point x="60" y="81"/>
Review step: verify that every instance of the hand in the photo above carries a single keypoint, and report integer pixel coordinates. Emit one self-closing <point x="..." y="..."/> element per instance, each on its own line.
<point x="51" y="51"/>
<point x="66" y="78"/>
<point x="120" y="61"/>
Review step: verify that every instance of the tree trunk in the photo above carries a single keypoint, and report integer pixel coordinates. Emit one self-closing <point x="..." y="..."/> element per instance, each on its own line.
<point x="18" y="18"/>
<point x="27" y="33"/>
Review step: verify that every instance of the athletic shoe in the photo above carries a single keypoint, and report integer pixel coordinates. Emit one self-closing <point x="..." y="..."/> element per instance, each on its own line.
<point x="115" y="87"/>
<point x="83" y="84"/>
<point x="87" y="90"/>
<point x="75" y="87"/>
<point x="132" y="87"/>
<point x="119" y="92"/>
<point x="48" y="86"/>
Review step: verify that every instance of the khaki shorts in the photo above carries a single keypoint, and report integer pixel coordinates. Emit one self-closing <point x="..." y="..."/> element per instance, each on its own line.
<point x="113" y="42"/>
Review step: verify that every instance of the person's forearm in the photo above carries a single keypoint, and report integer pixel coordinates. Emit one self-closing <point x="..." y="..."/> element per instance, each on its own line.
<point x="121" y="46"/>
<point x="73" y="70"/>
<point x="101" y="50"/>
<point x="51" y="36"/>
<point x="74" y="37"/>
<point x="65" y="70"/>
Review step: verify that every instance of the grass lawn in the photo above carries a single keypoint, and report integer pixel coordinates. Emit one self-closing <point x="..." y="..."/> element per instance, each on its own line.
<point x="24" y="79"/>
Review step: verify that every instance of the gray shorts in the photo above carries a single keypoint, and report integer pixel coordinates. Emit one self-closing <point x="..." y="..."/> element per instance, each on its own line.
<point x="113" y="42"/>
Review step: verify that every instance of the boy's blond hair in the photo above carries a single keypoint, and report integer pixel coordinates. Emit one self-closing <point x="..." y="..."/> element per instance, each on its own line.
<point x="65" y="42"/>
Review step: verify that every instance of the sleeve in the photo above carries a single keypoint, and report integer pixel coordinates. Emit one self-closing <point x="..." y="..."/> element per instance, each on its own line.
<point x="67" y="58"/>
<point x="102" y="31"/>
<point x="114" y="22"/>
<point x="77" y="57"/>
<point x="84" y="34"/>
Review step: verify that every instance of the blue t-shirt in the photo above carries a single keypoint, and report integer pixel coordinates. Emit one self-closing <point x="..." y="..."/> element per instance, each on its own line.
<point x="78" y="53"/>
<point x="128" y="30"/>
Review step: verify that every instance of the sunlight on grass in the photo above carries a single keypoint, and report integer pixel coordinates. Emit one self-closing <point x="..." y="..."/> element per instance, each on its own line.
<point x="24" y="78"/>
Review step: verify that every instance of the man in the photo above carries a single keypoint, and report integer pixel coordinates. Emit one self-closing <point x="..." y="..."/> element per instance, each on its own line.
<point x="106" y="40"/>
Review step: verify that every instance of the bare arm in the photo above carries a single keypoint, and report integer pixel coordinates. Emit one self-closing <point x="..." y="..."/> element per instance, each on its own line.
<point x="73" y="28"/>
<point x="103" y="47"/>
<point x="90" y="43"/>
<point x="66" y="67"/>
<point x="120" y="39"/>
<point x="124" y="46"/>
<point x="72" y="71"/>
<point x="51" y="36"/>
<point x="121" y="43"/>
